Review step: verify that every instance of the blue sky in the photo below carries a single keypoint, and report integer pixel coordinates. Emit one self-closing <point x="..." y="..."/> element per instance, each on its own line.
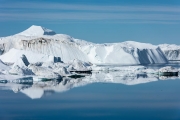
<point x="99" y="21"/>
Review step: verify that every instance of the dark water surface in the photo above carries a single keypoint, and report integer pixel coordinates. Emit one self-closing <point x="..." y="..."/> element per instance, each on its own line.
<point x="158" y="100"/>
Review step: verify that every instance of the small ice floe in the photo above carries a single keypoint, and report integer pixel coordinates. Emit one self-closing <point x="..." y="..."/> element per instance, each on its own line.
<point x="151" y="71"/>
<point x="168" y="71"/>
<point x="20" y="67"/>
<point x="79" y="66"/>
<point x="44" y="73"/>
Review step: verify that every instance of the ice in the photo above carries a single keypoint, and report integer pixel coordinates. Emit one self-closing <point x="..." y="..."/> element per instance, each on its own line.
<point x="41" y="52"/>
<point x="168" y="69"/>
<point x="14" y="54"/>
<point x="128" y="75"/>
<point x="171" y="51"/>
<point x="129" y="52"/>
<point x="37" y="31"/>
<point x="67" y="48"/>
<point x="21" y="62"/>
<point x="39" y="88"/>
<point x="20" y="67"/>
<point x="33" y="93"/>
<point x="3" y="68"/>
<point x="78" y="65"/>
<point x="16" y="70"/>
<point x="58" y="67"/>
<point x="44" y="73"/>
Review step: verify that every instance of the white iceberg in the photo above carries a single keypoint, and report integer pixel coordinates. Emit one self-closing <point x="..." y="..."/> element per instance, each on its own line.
<point x="171" y="51"/>
<point x="68" y="48"/>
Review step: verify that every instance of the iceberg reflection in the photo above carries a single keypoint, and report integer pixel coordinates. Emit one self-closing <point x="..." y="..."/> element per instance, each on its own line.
<point x="35" y="89"/>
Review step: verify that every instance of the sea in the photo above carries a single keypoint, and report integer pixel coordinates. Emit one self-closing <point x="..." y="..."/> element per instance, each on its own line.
<point x="106" y="95"/>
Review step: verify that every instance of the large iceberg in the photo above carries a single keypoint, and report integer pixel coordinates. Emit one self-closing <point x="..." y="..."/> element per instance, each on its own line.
<point x="43" y="41"/>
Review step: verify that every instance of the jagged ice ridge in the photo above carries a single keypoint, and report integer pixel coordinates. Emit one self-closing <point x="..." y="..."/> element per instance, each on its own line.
<point x="46" y="42"/>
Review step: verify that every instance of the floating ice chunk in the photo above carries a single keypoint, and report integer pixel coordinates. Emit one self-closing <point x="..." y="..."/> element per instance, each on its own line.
<point x="20" y="67"/>
<point x="44" y="72"/>
<point x="78" y="65"/>
<point x="58" y="67"/>
<point x="16" y="70"/>
<point x="151" y="71"/>
<point x="22" y="62"/>
<point x="3" y="68"/>
<point x="62" y="71"/>
<point x="168" y="69"/>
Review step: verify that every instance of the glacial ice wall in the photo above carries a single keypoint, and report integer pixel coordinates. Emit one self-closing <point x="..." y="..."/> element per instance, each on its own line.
<point x="171" y="51"/>
<point x="129" y="52"/>
<point x="64" y="49"/>
<point x="68" y="48"/>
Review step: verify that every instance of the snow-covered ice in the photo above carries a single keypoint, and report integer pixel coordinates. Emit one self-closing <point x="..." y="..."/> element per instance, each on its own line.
<point x="42" y="53"/>
<point x="68" y="48"/>
<point x="171" y="51"/>
<point x="36" y="31"/>
<point x="168" y="69"/>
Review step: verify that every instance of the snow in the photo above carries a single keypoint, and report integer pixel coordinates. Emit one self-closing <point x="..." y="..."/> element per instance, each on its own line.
<point x="169" y="46"/>
<point x="41" y="52"/>
<point x="133" y="44"/>
<point x="36" y="31"/>
<point x="17" y="70"/>
<point x="171" y="51"/>
<point x="129" y="52"/>
<point x="38" y="54"/>
<point x="67" y="48"/>
<point x="44" y="73"/>
<point x="168" y="69"/>
<point x="22" y="61"/>
<point x="3" y="66"/>
<point x="14" y="54"/>
<point x="77" y="65"/>
<point x="58" y="67"/>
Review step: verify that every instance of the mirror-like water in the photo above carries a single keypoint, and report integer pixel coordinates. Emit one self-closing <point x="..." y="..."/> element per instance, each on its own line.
<point x="101" y="95"/>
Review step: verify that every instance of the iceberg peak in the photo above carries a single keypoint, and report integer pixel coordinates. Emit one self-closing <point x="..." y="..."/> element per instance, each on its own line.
<point x="37" y="31"/>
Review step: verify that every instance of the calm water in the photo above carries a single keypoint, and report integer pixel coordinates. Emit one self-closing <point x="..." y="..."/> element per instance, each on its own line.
<point x="127" y="99"/>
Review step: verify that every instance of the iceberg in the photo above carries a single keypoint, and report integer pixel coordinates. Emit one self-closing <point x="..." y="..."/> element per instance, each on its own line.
<point x="171" y="51"/>
<point x="41" y="42"/>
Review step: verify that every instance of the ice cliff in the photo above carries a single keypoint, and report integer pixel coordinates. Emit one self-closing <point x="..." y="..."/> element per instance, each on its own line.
<point x="171" y="51"/>
<point x="43" y="43"/>
<point x="128" y="52"/>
